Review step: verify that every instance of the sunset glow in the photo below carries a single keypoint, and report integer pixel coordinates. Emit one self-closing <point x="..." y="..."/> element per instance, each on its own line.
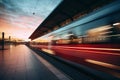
<point x="19" y="18"/>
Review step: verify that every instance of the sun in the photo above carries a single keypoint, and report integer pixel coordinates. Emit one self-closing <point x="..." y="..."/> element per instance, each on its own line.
<point x="27" y="40"/>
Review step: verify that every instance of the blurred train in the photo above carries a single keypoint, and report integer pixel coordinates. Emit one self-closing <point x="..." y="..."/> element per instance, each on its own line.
<point x="92" y="39"/>
<point x="102" y="34"/>
<point x="100" y="26"/>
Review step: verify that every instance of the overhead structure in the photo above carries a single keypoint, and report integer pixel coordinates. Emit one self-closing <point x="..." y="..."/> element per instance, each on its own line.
<point x="66" y="12"/>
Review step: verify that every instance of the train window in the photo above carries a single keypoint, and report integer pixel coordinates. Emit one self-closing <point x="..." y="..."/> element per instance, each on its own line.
<point x="98" y="34"/>
<point x="99" y="31"/>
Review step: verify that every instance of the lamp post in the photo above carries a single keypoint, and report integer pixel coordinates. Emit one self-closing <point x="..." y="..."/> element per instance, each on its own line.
<point x="3" y="40"/>
<point x="9" y="39"/>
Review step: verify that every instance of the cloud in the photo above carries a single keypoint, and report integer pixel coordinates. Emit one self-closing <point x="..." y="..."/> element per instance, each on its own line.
<point x="16" y="16"/>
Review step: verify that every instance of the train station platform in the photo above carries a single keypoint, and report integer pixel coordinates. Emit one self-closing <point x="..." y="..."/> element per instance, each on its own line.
<point x="18" y="62"/>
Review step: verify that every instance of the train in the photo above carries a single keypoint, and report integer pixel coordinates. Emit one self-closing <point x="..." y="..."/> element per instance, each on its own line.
<point x="102" y="25"/>
<point x="91" y="39"/>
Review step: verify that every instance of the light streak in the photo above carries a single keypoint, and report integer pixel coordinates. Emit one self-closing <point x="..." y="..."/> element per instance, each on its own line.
<point x="109" y="49"/>
<point x="108" y="65"/>
<point x="116" y="24"/>
<point x="117" y="54"/>
<point x="48" y="51"/>
<point x="86" y="49"/>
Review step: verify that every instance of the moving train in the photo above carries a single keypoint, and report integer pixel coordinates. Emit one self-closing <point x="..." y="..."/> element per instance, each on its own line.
<point x="91" y="39"/>
<point x="100" y="26"/>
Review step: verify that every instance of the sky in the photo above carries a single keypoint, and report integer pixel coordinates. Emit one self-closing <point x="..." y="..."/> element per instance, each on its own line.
<point x="19" y="18"/>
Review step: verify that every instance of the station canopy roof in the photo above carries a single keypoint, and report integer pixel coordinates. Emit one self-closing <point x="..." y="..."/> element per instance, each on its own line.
<point x="67" y="9"/>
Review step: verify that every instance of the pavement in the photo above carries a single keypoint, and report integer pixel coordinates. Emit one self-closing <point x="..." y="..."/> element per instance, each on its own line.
<point x="18" y="62"/>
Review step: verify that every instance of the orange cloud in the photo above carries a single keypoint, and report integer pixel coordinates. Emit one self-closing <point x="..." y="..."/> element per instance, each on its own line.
<point x="21" y="29"/>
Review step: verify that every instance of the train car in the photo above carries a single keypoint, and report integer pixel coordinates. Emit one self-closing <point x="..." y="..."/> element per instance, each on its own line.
<point x="93" y="40"/>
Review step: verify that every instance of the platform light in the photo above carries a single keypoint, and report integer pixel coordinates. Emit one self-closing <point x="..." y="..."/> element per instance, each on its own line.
<point x="27" y="40"/>
<point x="116" y="24"/>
